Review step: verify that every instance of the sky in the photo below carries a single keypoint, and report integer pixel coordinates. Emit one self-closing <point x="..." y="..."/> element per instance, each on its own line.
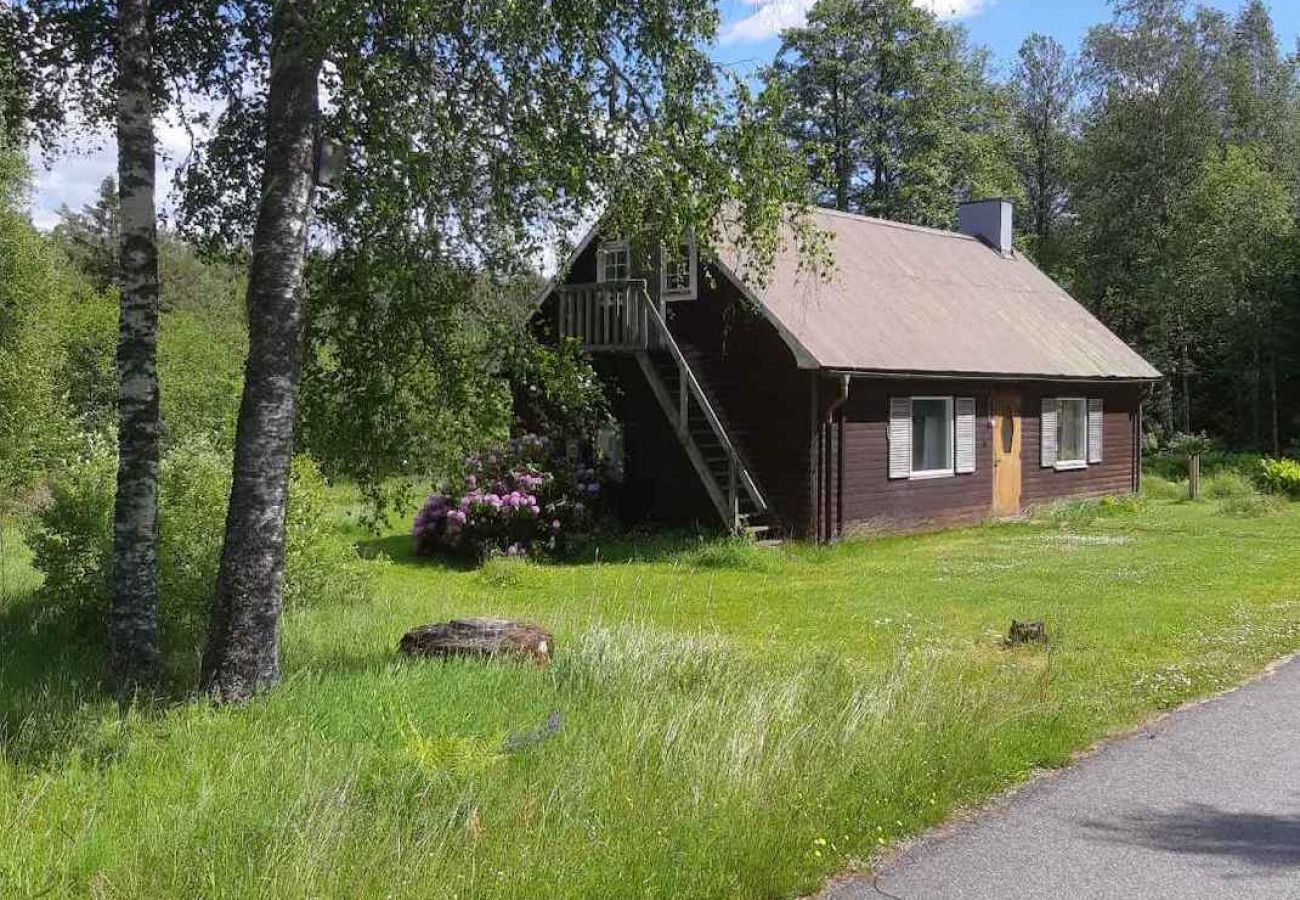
<point x="749" y="38"/>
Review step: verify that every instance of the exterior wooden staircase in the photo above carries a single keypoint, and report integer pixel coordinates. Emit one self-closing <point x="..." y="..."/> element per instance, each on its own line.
<point x="621" y="317"/>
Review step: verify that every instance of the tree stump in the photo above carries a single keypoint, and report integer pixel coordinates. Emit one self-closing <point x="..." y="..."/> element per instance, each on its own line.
<point x="480" y="637"/>
<point x="1027" y="632"/>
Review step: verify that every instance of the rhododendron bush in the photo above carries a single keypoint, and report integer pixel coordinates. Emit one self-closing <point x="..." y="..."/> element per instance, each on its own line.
<point x="518" y="498"/>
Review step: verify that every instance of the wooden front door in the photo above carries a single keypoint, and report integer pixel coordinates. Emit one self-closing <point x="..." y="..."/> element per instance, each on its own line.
<point x="1005" y="410"/>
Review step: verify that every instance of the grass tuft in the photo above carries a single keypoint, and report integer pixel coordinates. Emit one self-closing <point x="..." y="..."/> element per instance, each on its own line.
<point x="735" y="553"/>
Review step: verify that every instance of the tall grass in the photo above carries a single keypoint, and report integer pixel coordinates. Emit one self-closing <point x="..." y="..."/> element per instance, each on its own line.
<point x="732" y="722"/>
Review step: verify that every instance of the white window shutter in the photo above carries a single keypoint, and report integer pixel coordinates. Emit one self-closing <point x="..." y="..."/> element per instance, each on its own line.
<point x="900" y="437"/>
<point x="1047" y="431"/>
<point x="1094" y="429"/>
<point x="965" y="412"/>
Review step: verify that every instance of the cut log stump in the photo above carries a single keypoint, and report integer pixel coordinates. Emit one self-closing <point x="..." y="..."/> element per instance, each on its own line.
<point x="480" y="637"/>
<point x="1027" y="633"/>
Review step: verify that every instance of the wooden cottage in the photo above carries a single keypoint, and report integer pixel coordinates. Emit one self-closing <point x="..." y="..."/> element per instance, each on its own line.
<point x="934" y="378"/>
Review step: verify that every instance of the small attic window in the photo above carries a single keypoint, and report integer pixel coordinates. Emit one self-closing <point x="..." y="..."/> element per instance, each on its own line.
<point x="613" y="261"/>
<point x="679" y="268"/>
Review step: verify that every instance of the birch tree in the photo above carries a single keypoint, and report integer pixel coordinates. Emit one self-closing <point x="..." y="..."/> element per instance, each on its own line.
<point x="86" y="65"/>
<point x="133" y="621"/>
<point x="242" y="653"/>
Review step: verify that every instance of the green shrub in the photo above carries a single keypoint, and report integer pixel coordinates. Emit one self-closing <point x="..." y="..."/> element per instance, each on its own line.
<point x="321" y="565"/>
<point x="1279" y="476"/>
<point x="71" y="538"/>
<point x="1228" y="483"/>
<point x="1173" y="467"/>
<point x="1156" y="487"/>
<point x="1068" y="514"/>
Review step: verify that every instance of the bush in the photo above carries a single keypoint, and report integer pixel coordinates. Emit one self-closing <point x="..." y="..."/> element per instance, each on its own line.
<point x="1279" y="476"/>
<point x="514" y="499"/>
<point x="1228" y="483"/>
<point x="1068" y="514"/>
<point x="321" y="565"/>
<point x="1173" y="467"/>
<point x="1156" y="487"/>
<point x="71" y="538"/>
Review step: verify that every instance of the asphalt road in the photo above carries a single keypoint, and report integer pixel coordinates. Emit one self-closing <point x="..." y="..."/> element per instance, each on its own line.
<point x="1204" y="803"/>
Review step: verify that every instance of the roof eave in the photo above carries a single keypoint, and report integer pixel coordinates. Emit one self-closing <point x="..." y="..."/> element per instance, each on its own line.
<point x="987" y="376"/>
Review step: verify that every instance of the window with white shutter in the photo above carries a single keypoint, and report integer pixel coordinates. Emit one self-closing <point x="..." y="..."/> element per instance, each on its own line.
<point x="1094" y="429"/>
<point x="1047" y="432"/>
<point x="965" y="434"/>
<point x="900" y="437"/>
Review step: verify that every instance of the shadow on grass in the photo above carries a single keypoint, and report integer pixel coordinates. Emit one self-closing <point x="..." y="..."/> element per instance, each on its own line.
<point x="52" y="667"/>
<point x="609" y="547"/>
<point x="54" y="695"/>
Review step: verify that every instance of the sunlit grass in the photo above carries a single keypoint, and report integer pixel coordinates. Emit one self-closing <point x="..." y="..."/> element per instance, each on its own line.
<point x="735" y="721"/>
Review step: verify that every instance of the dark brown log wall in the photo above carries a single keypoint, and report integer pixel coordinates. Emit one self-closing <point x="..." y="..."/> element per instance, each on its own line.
<point x="1115" y="474"/>
<point x="873" y="501"/>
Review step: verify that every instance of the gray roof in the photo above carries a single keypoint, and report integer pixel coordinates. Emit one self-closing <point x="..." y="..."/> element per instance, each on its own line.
<point x="907" y="299"/>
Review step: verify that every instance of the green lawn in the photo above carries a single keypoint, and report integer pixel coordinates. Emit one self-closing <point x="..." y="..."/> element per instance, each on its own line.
<point x="736" y="721"/>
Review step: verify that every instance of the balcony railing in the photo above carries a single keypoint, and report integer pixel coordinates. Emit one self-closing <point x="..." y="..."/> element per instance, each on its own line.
<point x="610" y="316"/>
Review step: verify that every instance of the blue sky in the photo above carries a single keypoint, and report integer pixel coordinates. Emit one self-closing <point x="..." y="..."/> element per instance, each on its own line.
<point x="748" y="40"/>
<point x="1000" y="25"/>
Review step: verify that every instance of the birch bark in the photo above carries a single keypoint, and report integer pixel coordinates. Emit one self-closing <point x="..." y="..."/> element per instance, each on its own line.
<point x="133" y="620"/>
<point x="242" y="654"/>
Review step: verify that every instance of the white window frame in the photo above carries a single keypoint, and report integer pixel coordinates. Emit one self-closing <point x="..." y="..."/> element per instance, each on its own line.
<point x="951" y="470"/>
<point x="604" y="250"/>
<point x="1063" y="465"/>
<point x="692" y="290"/>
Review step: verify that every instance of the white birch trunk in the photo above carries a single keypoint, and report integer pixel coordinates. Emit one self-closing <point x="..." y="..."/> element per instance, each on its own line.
<point x="242" y="654"/>
<point x="133" y="621"/>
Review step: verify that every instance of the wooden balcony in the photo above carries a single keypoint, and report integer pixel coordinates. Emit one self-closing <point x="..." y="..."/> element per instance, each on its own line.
<point x="612" y="316"/>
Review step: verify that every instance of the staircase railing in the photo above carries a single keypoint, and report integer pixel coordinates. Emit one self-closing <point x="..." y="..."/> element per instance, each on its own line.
<point x="688" y="386"/>
<point x="621" y="316"/>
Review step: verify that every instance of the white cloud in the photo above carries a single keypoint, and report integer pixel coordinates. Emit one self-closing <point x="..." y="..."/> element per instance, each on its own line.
<point x="771" y="17"/>
<point x="72" y="178"/>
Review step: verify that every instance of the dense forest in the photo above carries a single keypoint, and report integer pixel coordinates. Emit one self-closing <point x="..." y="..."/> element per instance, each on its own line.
<point x="1156" y="176"/>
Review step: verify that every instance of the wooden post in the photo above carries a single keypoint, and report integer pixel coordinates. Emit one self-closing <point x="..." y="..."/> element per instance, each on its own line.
<point x="682" y="395"/>
<point x="733" y="506"/>
<point x="1193" y="476"/>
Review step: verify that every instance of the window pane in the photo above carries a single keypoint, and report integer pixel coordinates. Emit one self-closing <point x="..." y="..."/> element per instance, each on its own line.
<point x="1073" y="430"/>
<point x="931" y="434"/>
<point x="677" y="269"/>
<point x="615" y="263"/>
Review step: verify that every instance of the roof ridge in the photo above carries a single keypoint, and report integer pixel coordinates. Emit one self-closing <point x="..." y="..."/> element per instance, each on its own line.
<point x="906" y="226"/>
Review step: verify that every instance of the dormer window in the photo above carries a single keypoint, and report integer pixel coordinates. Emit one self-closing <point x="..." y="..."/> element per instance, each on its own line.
<point x="679" y="266"/>
<point x="613" y="261"/>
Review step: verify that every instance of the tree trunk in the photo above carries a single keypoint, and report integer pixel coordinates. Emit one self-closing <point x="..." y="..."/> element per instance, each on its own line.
<point x="243" y="652"/>
<point x="1272" y="395"/>
<point x="133" y="621"/>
